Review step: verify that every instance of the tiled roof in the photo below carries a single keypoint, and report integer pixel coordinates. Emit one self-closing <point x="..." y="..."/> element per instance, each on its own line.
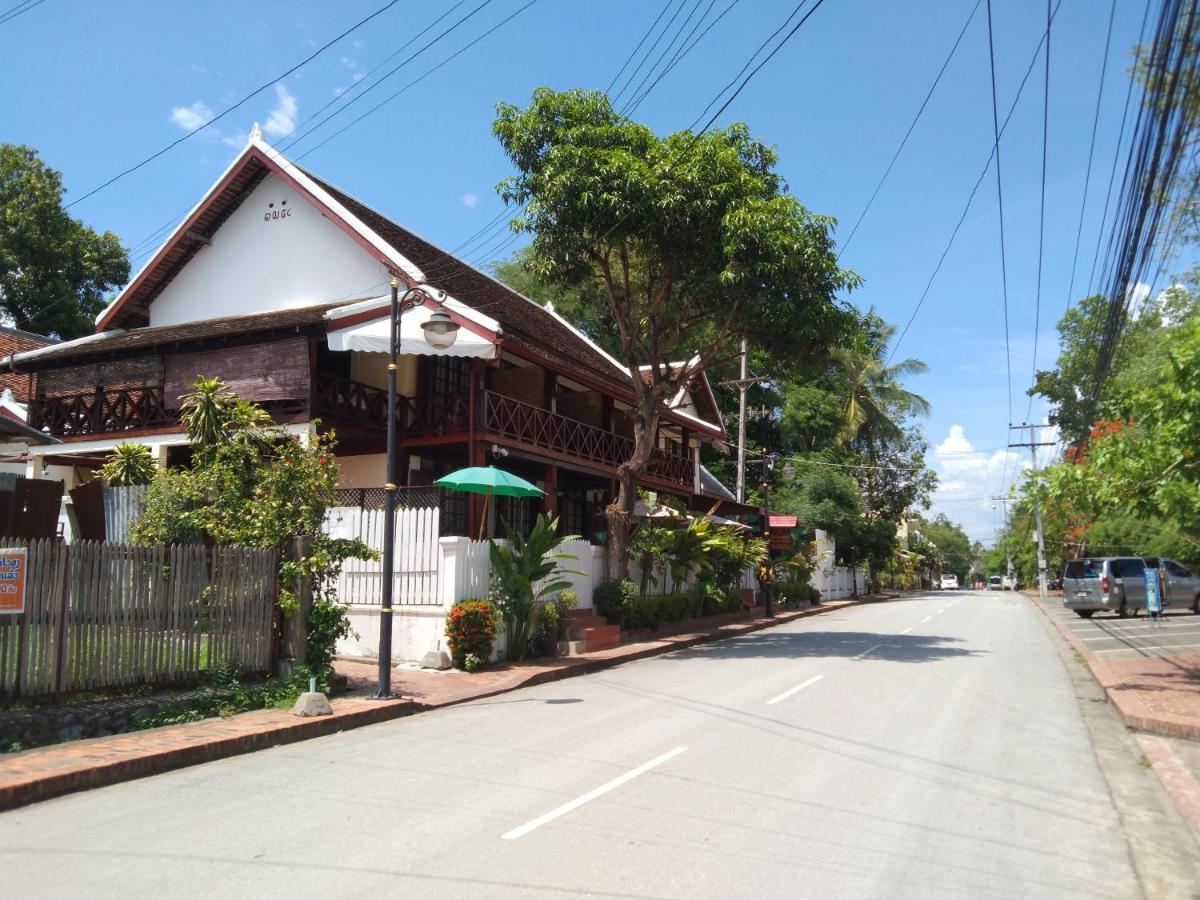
<point x="520" y="318"/>
<point x="141" y="338"/>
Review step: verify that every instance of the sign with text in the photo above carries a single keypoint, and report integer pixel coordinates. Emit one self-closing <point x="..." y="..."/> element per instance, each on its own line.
<point x="14" y="563"/>
<point x="1153" y="594"/>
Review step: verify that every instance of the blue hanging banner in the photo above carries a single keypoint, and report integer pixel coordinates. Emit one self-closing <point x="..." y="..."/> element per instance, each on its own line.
<point x="1153" y="595"/>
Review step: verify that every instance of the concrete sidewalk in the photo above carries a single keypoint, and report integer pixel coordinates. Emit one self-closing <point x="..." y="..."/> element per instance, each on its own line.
<point x="45" y="772"/>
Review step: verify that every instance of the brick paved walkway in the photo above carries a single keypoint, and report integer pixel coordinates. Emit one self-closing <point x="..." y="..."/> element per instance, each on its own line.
<point x="50" y="771"/>
<point x="1156" y="691"/>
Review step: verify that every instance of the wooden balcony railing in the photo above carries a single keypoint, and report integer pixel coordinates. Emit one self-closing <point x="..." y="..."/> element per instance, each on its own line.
<point x="114" y="411"/>
<point x="101" y="411"/>
<point x="334" y="397"/>
<point x="539" y="427"/>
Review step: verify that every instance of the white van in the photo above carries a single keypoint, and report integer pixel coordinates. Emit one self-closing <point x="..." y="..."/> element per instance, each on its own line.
<point x="949" y="582"/>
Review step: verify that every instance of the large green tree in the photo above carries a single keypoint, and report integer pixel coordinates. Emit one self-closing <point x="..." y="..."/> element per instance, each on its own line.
<point x="54" y="270"/>
<point x="957" y="554"/>
<point x="688" y="243"/>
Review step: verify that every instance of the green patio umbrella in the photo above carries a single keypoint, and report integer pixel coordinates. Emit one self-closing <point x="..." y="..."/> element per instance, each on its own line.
<point x="489" y="481"/>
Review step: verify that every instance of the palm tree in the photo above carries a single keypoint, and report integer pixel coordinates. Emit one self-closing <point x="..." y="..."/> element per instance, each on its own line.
<point x="874" y="397"/>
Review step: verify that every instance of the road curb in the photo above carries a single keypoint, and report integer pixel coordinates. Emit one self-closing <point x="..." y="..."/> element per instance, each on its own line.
<point x="179" y="746"/>
<point x="1135" y="714"/>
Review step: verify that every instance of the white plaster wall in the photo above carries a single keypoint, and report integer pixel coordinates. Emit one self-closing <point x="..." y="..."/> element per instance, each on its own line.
<point x="414" y="633"/>
<point x="275" y="252"/>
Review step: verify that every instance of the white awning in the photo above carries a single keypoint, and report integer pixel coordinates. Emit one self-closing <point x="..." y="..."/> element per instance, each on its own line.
<point x="372" y="337"/>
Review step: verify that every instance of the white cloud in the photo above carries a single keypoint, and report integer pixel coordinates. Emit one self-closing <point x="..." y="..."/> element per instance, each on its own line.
<point x="189" y="118"/>
<point x="469" y="200"/>
<point x="237" y="141"/>
<point x="347" y="62"/>
<point x="968" y="479"/>
<point x="282" y="119"/>
<point x="359" y="76"/>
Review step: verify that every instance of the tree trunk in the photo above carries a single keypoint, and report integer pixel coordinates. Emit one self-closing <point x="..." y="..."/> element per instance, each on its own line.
<point x="629" y="473"/>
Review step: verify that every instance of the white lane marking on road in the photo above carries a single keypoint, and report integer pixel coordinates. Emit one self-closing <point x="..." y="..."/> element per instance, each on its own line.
<point x="590" y="795"/>
<point x="797" y="689"/>
<point x="905" y="631"/>
<point x="927" y="619"/>
<point x="868" y="651"/>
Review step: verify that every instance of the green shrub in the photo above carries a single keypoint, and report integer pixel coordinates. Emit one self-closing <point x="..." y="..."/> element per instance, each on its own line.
<point x="471" y="631"/>
<point x="548" y="619"/>
<point x="794" y="593"/>
<point x="612" y="599"/>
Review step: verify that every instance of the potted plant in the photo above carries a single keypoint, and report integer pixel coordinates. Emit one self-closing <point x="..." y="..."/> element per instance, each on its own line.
<point x="546" y="642"/>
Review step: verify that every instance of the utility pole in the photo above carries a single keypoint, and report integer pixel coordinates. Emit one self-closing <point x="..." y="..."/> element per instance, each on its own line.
<point x="741" y="384"/>
<point x="1033" y="444"/>
<point x="1008" y="556"/>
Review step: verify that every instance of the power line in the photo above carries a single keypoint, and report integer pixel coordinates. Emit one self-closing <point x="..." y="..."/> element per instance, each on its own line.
<point x="419" y="78"/>
<point x="633" y="53"/>
<point x="633" y="96"/>
<point x="148" y="244"/>
<point x="229" y="109"/>
<point x="649" y="50"/>
<point x="912" y="126"/>
<point x="296" y="138"/>
<point x="799" y="6"/>
<point x="19" y="10"/>
<point x="1037" y="309"/>
<point x="971" y="197"/>
<point x="1087" y="178"/>
<point x="342" y="97"/>
<point x="1000" y="201"/>
<point x="680" y="57"/>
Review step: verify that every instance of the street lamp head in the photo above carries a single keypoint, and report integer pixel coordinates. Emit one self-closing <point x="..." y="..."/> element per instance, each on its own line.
<point x="440" y="330"/>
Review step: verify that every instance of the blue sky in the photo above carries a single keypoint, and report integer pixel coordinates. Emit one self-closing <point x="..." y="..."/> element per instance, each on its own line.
<point x="95" y="93"/>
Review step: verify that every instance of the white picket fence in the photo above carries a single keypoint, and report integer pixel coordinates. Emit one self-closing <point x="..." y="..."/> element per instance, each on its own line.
<point x="418" y="558"/>
<point x="433" y="573"/>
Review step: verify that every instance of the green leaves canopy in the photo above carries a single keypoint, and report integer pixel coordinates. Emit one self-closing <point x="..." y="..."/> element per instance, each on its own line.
<point x="694" y="239"/>
<point x="54" y="270"/>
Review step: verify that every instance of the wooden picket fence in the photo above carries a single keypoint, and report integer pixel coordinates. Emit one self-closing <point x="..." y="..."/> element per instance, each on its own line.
<point x="101" y="615"/>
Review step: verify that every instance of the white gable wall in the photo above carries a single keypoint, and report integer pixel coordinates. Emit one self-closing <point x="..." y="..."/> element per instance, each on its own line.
<point x="275" y="252"/>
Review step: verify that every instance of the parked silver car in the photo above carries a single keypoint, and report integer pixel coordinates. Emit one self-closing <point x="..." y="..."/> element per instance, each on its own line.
<point x="1118" y="584"/>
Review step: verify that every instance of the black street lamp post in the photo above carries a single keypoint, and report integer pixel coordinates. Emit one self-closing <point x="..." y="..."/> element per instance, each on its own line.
<point x="440" y="332"/>
<point x="768" y="465"/>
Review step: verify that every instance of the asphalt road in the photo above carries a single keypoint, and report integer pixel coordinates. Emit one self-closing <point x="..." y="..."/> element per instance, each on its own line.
<point x="923" y="748"/>
<point x="1175" y="634"/>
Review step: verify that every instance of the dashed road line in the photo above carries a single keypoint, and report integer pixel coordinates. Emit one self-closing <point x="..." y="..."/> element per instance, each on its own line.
<point x="868" y="651"/>
<point x="905" y="631"/>
<point x="797" y="689"/>
<point x="590" y="795"/>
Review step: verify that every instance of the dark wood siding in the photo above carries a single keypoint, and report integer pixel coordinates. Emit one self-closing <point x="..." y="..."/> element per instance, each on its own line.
<point x="274" y="371"/>
<point x="137" y="372"/>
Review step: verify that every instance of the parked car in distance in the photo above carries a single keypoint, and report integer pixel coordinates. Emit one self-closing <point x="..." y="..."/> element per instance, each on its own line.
<point x="995" y="583"/>
<point x="1008" y="583"/>
<point x="949" y="582"/>
<point x="1118" y="584"/>
<point x="1054" y="584"/>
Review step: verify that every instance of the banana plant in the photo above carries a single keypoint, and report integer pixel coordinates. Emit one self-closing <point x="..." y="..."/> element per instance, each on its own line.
<point x="521" y="572"/>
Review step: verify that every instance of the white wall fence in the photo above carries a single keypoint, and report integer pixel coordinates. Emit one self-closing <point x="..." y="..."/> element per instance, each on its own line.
<point x="833" y="581"/>
<point x="433" y="573"/>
